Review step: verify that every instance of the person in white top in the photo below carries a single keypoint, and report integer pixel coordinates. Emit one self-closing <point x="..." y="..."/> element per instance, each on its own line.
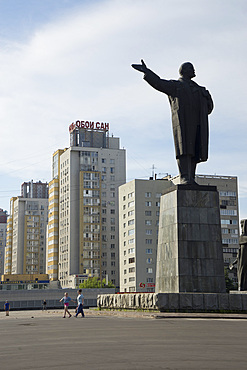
<point x="80" y="302"/>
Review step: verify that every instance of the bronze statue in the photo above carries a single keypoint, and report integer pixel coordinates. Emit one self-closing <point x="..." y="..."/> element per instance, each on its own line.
<point x="190" y="105"/>
<point x="241" y="260"/>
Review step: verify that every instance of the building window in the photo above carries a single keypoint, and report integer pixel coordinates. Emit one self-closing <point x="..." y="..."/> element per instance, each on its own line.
<point x="148" y="204"/>
<point x="227" y="194"/>
<point x="131" y="241"/>
<point x="148" y="213"/>
<point x="130" y="213"/>
<point x="131" y="204"/>
<point x="149" y="260"/>
<point x="149" y="270"/>
<point x="132" y="279"/>
<point x="230" y="241"/>
<point x="132" y="260"/>
<point x="103" y="160"/>
<point x="130" y="195"/>
<point x="148" y="231"/>
<point x="149" y="241"/>
<point x="148" y="222"/>
<point x="132" y="269"/>
<point x="230" y="212"/>
<point x="229" y="222"/>
<point x="148" y="195"/>
<point x="131" y="232"/>
<point x="149" y="251"/>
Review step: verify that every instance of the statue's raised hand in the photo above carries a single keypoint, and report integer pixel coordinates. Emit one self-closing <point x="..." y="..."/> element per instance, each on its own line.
<point x="140" y="67"/>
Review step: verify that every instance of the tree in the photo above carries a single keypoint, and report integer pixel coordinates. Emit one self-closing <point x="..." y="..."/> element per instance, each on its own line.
<point x="230" y="285"/>
<point x="95" y="282"/>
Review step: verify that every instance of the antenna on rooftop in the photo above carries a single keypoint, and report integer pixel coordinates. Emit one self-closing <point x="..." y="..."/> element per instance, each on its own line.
<point x="153" y="168"/>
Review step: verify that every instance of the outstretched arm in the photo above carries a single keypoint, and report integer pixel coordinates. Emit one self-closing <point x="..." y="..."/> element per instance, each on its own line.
<point x="140" y="67"/>
<point x="167" y="87"/>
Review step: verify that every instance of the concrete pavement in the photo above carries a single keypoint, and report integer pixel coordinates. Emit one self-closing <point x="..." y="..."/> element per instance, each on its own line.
<point x="121" y="340"/>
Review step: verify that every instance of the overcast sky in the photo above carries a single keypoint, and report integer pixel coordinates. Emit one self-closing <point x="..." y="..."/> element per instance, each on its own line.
<point x="67" y="60"/>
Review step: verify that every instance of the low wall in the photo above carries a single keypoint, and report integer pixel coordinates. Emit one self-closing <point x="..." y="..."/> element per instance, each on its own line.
<point x="33" y="299"/>
<point x="197" y="302"/>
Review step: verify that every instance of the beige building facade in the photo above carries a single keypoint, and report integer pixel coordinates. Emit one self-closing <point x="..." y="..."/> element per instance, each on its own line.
<point x="3" y="236"/>
<point x="26" y="236"/>
<point x="85" y="226"/>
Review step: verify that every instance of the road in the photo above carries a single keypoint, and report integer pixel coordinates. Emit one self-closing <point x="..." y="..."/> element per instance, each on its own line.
<point x="44" y="340"/>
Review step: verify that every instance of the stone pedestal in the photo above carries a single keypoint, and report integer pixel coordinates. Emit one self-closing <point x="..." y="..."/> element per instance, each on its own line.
<point x="189" y="255"/>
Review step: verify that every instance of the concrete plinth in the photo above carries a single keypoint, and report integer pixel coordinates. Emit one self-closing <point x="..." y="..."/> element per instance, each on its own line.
<point x="170" y="302"/>
<point x="189" y="255"/>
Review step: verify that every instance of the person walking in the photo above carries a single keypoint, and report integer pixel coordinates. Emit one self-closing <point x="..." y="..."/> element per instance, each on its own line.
<point x="66" y="299"/>
<point x="6" y="308"/>
<point x="80" y="302"/>
<point x="44" y="305"/>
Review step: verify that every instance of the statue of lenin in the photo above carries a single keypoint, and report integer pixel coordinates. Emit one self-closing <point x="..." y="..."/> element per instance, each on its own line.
<point x="190" y="106"/>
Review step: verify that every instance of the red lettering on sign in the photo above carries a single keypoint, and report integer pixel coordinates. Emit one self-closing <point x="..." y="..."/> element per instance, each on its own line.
<point x="90" y="125"/>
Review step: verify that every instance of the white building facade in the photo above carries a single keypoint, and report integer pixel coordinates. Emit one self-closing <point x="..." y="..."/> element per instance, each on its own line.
<point x="139" y="202"/>
<point x="138" y="227"/>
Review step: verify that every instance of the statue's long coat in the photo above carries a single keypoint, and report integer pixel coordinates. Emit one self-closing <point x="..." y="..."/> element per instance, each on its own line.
<point x="190" y="105"/>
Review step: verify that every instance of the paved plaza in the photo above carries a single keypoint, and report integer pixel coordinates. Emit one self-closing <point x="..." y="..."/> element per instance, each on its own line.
<point x="121" y="341"/>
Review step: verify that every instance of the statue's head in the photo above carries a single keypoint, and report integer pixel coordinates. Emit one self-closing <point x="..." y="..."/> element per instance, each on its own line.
<point x="243" y="224"/>
<point x="187" y="70"/>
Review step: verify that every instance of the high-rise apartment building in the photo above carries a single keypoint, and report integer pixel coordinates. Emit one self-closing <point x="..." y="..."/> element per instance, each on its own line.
<point x="139" y="202"/>
<point x="83" y="206"/>
<point x="34" y="189"/>
<point x="3" y="234"/>
<point x="26" y="236"/>
<point x="138" y="226"/>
